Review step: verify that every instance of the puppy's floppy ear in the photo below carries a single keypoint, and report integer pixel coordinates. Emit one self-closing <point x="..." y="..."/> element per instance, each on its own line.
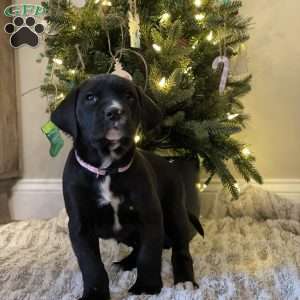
<point x="151" y="115"/>
<point x="64" y="117"/>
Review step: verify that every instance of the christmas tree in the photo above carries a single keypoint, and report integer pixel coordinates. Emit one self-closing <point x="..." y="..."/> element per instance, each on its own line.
<point x="180" y="51"/>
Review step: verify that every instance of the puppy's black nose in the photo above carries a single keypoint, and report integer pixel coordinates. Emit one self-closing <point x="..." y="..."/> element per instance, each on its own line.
<point x="113" y="114"/>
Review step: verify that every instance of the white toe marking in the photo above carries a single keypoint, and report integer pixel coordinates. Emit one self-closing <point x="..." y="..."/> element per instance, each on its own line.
<point x="109" y="198"/>
<point x="179" y="286"/>
<point x="188" y="285"/>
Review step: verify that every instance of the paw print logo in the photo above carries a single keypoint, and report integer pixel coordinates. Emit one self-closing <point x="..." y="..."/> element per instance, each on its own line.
<point x="24" y="31"/>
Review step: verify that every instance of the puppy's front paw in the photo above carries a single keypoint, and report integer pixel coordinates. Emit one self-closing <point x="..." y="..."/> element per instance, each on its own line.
<point x="146" y="288"/>
<point x="187" y="285"/>
<point x="95" y="295"/>
<point x="94" y="298"/>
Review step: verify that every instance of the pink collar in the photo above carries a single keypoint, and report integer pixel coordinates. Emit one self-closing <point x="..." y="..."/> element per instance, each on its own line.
<point x="99" y="171"/>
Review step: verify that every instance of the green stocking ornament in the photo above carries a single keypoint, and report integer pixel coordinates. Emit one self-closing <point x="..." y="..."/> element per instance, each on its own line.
<point x="54" y="137"/>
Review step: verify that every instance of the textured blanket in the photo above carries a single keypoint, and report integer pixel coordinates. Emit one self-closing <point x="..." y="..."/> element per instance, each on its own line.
<point x="239" y="258"/>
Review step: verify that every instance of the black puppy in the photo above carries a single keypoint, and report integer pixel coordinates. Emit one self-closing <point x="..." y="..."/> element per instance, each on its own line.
<point x="112" y="190"/>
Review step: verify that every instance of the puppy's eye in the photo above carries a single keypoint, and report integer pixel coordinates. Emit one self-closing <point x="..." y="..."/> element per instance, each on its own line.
<point x="91" y="98"/>
<point x="130" y="98"/>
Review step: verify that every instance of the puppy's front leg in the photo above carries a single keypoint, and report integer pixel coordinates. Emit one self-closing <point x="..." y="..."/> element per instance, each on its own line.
<point x="150" y="254"/>
<point x="85" y="244"/>
<point x="86" y="248"/>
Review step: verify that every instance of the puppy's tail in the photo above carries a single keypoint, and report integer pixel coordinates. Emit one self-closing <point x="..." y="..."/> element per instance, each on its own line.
<point x="196" y="223"/>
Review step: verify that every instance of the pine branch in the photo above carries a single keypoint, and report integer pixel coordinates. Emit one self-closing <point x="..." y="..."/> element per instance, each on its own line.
<point x="181" y="79"/>
<point x="247" y="169"/>
<point x="226" y="177"/>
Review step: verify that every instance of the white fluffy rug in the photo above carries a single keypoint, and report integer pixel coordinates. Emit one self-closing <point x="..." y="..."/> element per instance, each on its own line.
<point x="248" y="257"/>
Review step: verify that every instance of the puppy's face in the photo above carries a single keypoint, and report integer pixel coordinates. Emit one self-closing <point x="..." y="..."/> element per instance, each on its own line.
<point x="105" y="112"/>
<point x="108" y="112"/>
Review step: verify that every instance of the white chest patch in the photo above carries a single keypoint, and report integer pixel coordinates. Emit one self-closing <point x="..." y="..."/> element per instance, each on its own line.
<point x="109" y="198"/>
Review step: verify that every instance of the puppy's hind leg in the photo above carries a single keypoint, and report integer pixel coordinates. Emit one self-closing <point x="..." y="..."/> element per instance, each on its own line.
<point x="177" y="228"/>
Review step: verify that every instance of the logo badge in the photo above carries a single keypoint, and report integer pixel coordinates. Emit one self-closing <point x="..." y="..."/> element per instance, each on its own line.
<point x="24" y="29"/>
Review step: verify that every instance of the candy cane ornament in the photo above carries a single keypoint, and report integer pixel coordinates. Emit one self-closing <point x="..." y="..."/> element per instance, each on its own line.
<point x="225" y="61"/>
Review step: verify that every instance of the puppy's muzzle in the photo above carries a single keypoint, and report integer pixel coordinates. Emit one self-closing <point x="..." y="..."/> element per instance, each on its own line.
<point x="113" y="114"/>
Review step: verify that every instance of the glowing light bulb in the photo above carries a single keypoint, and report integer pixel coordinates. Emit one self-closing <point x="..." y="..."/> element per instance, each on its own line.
<point x="195" y="45"/>
<point x="243" y="47"/>
<point x="106" y="3"/>
<point x="237" y="186"/>
<point x="165" y="17"/>
<point x="72" y="71"/>
<point x="74" y="27"/>
<point x="210" y="36"/>
<point x="61" y="95"/>
<point x="137" y="139"/>
<point x="156" y="47"/>
<point x="199" y="17"/>
<point x="187" y="70"/>
<point x="162" y="83"/>
<point x="97" y="1"/>
<point x="232" y="116"/>
<point x="246" y="152"/>
<point x="198" y="3"/>
<point x="58" y="61"/>
<point x="201" y="187"/>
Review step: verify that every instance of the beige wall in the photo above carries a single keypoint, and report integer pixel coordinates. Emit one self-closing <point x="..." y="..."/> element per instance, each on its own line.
<point x="274" y="103"/>
<point x="36" y="161"/>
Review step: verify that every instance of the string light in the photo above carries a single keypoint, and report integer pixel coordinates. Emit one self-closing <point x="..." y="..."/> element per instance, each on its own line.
<point x="195" y="45"/>
<point x="58" y="61"/>
<point x="137" y="139"/>
<point x="246" y="152"/>
<point x="156" y="47"/>
<point x="165" y="18"/>
<point x="162" y="82"/>
<point x="237" y="186"/>
<point x="74" y="27"/>
<point x="201" y="187"/>
<point x="198" y="3"/>
<point x="61" y="96"/>
<point x="243" y="47"/>
<point x="106" y="3"/>
<point x="199" y="17"/>
<point x="210" y="36"/>
<point x="232" y="116"/>
<point x="187" y="70"/>
<point x="72" y="71"/>
<point x="97" y="1"/>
